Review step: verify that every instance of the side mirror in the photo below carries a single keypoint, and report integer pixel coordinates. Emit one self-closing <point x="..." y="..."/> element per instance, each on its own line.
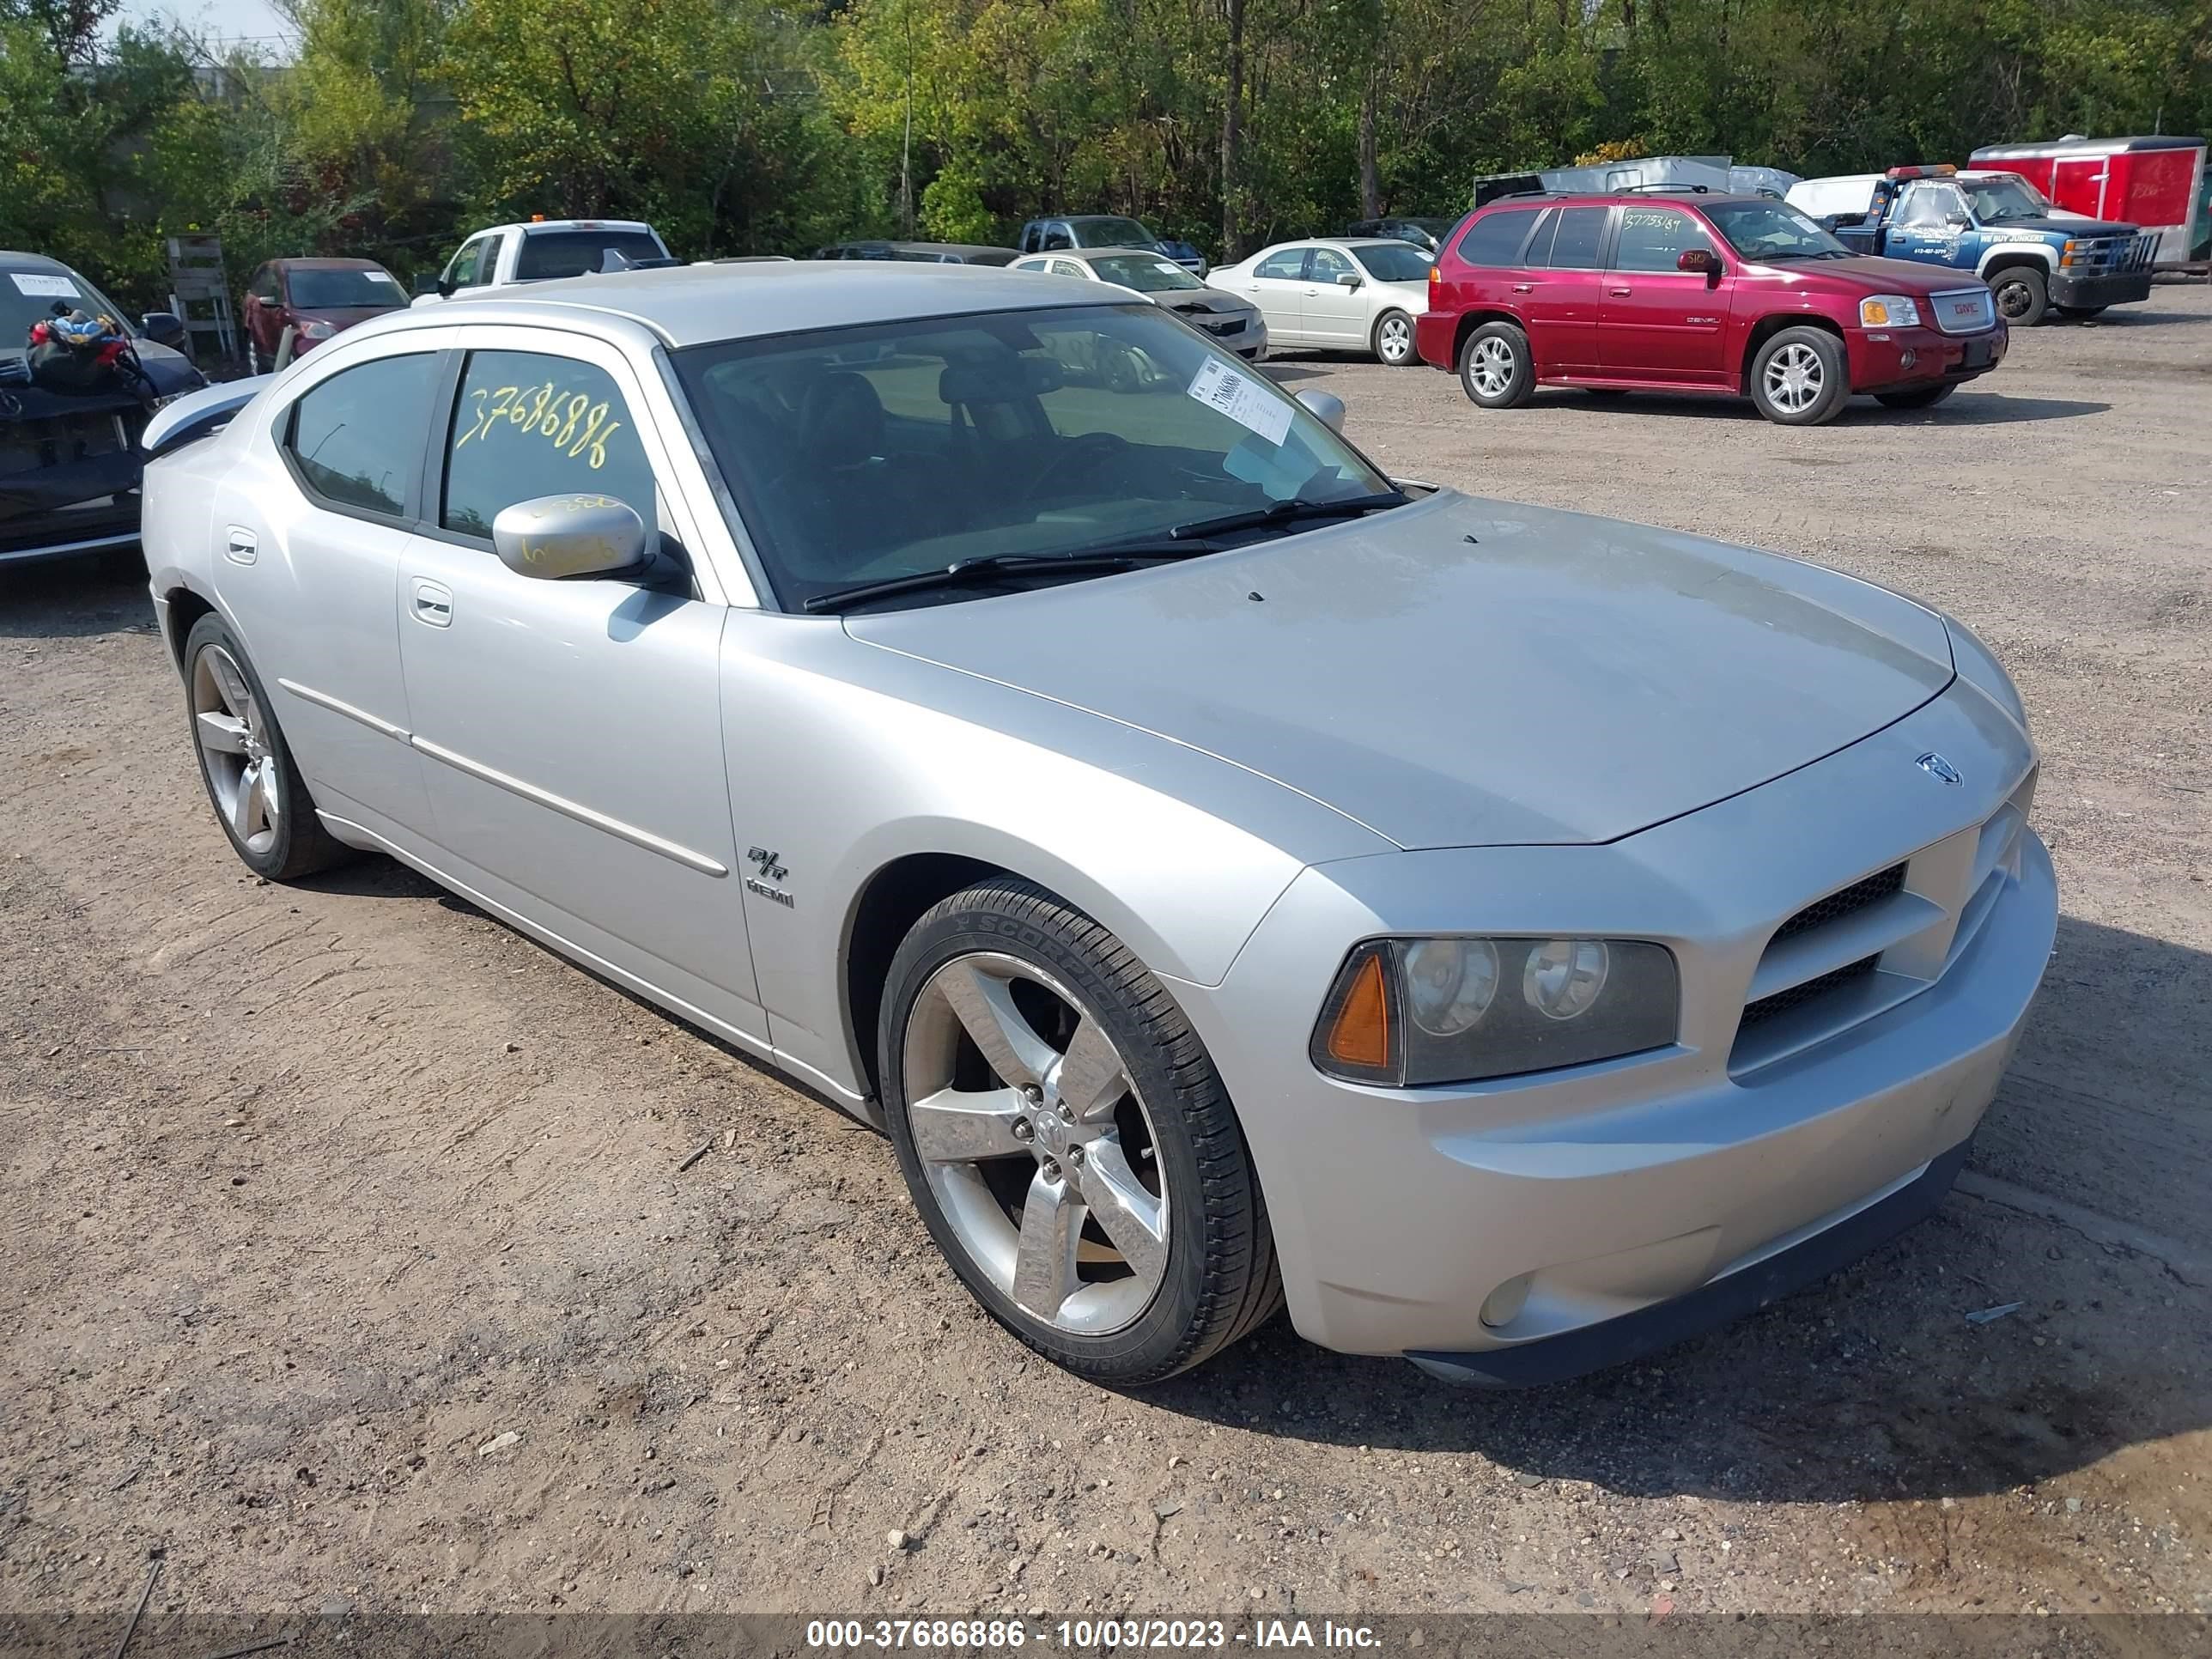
<point x="555" y="537"/>
<point x="1349" y="279"/>
<point x="424" y="283"/>
<point x="164" y="328"/>
<point x="1326" y="406"/>
<point x="1958" y="220"/>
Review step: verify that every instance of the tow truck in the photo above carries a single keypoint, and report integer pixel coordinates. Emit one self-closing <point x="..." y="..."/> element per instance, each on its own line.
<point x="2035" y="257"/>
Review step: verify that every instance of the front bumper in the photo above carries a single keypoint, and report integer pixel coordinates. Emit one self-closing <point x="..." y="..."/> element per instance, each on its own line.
<point x="1899" y="359"/>
<point x="2077" y="290"/>
<point x="1618" y="1188"/>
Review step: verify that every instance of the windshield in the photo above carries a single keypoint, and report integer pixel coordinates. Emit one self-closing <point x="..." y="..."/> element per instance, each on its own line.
<point x="26" y="296"/>
<point x="862" y="454"/>
<point x="1767" y="231"/>
<point x="1400" y="262"/>
<point x="1142" y="272"/>
<point x="1112" y="233"/>
<point x="1996" y="200"/>
<point x="573" y="252"/>
<point x="340" y="289"/>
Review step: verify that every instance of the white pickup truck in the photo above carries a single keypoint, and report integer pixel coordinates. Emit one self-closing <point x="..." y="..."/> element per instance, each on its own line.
<point x="545" y="248"/>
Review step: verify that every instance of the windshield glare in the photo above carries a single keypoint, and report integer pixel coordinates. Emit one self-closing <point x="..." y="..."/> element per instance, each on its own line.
<point x="1770" y="230"/>
<point x="862" y="454"/>
<point x="341" y="290"/>
<point x="1995" y="200"/>
<point x="1399" y="262"/>
<point x="1144" y="273"/>
<point x="28" y="296"/>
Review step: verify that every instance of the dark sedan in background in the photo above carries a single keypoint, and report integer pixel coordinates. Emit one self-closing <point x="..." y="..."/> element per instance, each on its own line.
<point x="69" y="461"/>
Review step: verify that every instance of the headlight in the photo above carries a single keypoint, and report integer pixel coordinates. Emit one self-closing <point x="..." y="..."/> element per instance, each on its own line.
<point x="1888" y="311"/>
<point x="313" y="328"/>
<point x="1415" y="1012"/>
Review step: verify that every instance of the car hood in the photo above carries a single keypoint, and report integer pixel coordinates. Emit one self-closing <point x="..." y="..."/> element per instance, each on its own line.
<point x="2063" y="223"/>
<point x="1466" y="673"/>
<point x="1205" y="302"/>
<point x="1879" y="276"/>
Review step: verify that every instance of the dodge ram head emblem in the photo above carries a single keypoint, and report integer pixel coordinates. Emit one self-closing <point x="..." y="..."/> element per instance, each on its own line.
<point x="1936" y="767"/>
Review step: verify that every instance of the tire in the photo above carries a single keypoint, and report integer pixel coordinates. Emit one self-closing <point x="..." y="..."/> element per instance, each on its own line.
<point x="1393" y="339"/>
<point x="2023" y="294"/>
<point x="1920" y="396"/>
<point x="1799" y="377"/>
<point x="247" y="765"/>
<point x="1494" y="367"/>
<point x="1150" y="1143"/>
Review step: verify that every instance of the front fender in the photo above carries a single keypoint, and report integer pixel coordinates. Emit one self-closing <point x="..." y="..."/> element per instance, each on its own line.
<point x="2010" y="253"/>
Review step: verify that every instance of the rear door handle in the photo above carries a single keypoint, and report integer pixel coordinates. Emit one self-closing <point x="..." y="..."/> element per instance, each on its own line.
<point x="242" y="548"/>
<point x="433" y="603"/>
<point x="1621" y="292"/>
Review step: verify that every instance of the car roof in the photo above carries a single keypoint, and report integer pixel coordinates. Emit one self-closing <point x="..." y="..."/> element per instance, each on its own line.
<point x="695" y="305"/>
<point x="33" y="261"/>
<point x="926" y="247"/>
<point x="1618" y="198"/>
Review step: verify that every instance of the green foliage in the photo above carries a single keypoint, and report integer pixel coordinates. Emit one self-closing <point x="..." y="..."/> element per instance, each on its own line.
<point x="747" y="125"/>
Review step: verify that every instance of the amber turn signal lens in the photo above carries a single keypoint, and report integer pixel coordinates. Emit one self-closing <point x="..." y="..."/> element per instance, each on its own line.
<point x="1360" y="1034"/>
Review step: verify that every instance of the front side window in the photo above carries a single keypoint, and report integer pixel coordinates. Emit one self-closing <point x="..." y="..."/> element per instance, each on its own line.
<point x="1056" y="236"/>
<point x="1286" y="265"/>
<point x="1653" y="238"/>
<point x="1328" y="266"/>
<point x="1999" y="201"/>
<point x="528" y="424"/>
<point x="265" y="284"/>
<point x="469" y="269"/>
<point x="1402" y="262"/>
<point x="1146" y="273"/>
<point x="1925" y="206"/>
<point x="863" y="454"/>
<point x="1495" y="238"/>
<point x="357" y="437"/>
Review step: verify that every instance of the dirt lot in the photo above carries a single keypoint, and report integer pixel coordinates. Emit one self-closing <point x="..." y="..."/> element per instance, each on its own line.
<point x="349" y="1259"/>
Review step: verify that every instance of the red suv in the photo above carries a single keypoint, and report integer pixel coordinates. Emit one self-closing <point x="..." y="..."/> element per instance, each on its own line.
<point x="315" y="299"/>
<point x="1744" y="295"/>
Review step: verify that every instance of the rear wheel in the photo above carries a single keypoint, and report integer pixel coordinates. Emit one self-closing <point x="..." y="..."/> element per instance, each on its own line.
<point x="2022" y="294"/>
<point x="1920" y="396"/>
<point x="1068" y="1140"/>
<point x="1494" y="369"/>
<point x="1394" y="339"/>
<point x="252" y="781"/>
<point x="1800" y="377"/>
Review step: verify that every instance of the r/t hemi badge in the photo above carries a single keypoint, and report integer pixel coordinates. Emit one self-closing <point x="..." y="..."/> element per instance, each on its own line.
<point x="771" y="870"/>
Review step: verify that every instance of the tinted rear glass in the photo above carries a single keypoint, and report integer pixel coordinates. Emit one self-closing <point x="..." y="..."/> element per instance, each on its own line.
<point x="573" y="252"/>
<point x="1495" y="238"/>
<point x="1576" y="240"/>
<point x="1402" y="262"/>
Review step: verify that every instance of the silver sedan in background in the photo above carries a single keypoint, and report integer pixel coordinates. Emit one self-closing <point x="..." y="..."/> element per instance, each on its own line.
<point x="1348" y="294"/>
<point x="1234" y="322"/>
<point x="1512" y="938"/>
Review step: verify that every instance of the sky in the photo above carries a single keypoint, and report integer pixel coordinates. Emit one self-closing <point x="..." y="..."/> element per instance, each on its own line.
<point x="227" y="19"/>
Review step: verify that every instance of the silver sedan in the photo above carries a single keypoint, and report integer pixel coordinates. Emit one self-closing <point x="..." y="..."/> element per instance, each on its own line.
<point x="1230" y="878"/>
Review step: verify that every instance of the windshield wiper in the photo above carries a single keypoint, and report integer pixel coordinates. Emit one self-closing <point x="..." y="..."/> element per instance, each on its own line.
<point x="1289" y="512"/>
<point x="993" y="567"/>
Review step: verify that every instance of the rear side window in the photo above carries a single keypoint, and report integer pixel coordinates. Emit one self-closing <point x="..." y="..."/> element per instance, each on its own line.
<point x="548" y="253"/>
<point x="1287" y="266"/>
<point x="528" y="424"/>
<point x="356" y="440"/>
<point x="1578" y="235"/>
<point x="1495" y="238"/>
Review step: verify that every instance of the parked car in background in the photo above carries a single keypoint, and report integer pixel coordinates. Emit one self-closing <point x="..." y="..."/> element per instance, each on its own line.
<point x="313" y="298"/>
<point x="1993" y="226"/>
<point x="1229" y="321"/>
<point x="1185" y="255"/>
<point x="1739" y="294"/>
<point x="70" y="459"/>
<point x="1423" y="233"/>
<point x="1585" y="933"/>
<point x="1091" y="230"/>
<point x="923" y="253"/>
<point x="543" y="249"/>
<point x="1344" y="295"/>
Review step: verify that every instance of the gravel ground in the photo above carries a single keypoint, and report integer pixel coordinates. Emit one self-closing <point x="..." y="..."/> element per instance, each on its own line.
<point x="349" y="1262"/>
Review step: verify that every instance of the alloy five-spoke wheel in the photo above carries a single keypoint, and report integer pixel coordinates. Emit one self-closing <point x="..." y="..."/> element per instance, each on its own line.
<point x="1047" y="1171"/>
<point x="1393" y="339"/>
<point x="241" y="773"/>
<point x="1068" y="1140"/>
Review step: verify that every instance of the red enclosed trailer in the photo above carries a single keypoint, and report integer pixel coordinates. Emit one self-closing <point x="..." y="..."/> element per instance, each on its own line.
<point x="2155" y="184"/>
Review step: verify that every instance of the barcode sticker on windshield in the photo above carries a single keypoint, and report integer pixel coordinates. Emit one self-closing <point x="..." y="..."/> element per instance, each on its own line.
<point x="46" y="288"/>
<point x="1242" y="400"/>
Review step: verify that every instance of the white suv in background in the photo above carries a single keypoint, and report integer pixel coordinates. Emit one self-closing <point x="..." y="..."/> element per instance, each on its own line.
<point x="545" y="248"/>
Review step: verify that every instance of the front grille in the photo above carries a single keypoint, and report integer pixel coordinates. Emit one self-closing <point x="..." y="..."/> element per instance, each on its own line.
<point x="1223" y="326"/>
<point x="1759" y="1013"/>
<point x="1964" y="310"/>
<point x="1834" y="907"/>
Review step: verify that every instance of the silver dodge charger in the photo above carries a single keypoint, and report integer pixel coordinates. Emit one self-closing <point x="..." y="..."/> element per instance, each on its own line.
<point x="1230" y="878"/>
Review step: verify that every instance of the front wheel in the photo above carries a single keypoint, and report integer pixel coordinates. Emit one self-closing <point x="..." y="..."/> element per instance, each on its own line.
<point x="1800" y="377"/>
<point x="1394" y="339"/>
<point x="1494" y="367"/>
<point x="1919" y="396"/>
<point x="1068" y="1140"/>
<point x="2022" y="295"/>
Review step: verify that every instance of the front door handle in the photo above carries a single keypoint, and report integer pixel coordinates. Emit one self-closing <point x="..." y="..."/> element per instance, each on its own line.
<point x="433" y="603"/>
<point x="242" y="547"/>
<point x="1620" y="292"/>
